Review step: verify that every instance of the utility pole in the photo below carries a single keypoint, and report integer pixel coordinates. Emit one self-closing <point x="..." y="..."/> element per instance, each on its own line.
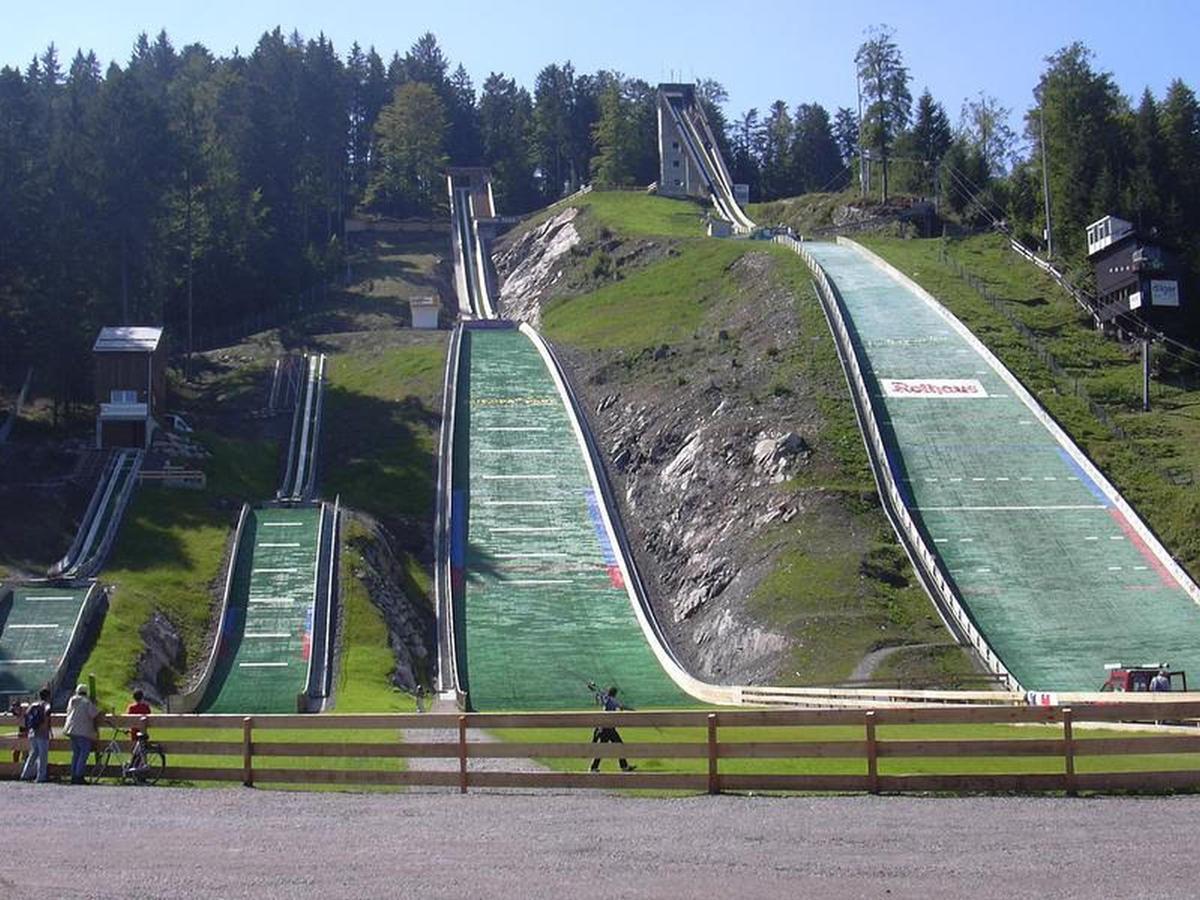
<point x="1145" y="373"/>
<point x="1045" y="177"/>
<point x="862" y="183"/>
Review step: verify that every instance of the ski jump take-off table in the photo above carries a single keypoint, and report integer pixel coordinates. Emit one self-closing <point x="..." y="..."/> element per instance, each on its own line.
<point x="1054" y="569"/>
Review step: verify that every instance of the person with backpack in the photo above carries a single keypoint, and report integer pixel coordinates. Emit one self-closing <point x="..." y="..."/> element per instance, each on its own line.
<point x="608" y="700"/>
<point x="37" y="727"/>
<point x="80" y="727"/>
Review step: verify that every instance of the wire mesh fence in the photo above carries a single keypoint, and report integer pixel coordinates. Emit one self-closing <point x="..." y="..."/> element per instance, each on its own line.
<point x="1063" y="378"/>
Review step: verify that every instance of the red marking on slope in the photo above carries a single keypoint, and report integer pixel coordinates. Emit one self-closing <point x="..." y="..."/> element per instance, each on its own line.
<point x="614" y="575"/>
<point x="1164" y="573"/>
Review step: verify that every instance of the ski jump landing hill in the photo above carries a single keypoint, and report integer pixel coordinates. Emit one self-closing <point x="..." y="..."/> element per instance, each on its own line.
<point x="274" y="646"/>
<point x="1030" y="553"/>
<point x="46" y="625"/>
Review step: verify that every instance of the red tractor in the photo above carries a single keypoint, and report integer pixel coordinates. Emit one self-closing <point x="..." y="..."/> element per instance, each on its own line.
<point x="1122" y="678"/>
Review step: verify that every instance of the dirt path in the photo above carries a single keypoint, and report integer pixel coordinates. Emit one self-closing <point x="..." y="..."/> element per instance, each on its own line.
<point x="868" y="664"/>
<point x="114" y="842"/>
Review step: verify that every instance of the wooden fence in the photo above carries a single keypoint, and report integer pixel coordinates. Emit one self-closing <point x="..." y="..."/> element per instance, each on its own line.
<point x="700" y="761"/>
<point x="192" y="478"/>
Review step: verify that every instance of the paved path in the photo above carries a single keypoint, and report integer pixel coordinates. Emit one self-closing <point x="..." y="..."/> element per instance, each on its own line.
<point x="121" y="843"/>
<point x="1050" y="568"/>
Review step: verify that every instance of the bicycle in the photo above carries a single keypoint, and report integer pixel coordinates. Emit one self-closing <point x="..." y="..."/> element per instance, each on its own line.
<point x="145" y="764"/>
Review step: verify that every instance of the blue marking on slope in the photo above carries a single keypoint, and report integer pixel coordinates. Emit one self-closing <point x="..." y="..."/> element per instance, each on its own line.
<point x="610" y="558"/>
<point x="1084" y="478"/>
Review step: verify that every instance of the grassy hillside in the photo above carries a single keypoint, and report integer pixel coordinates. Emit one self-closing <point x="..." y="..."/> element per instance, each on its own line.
<point x="660" y="303"/>
<point x="804" y="214"/>
<point x="378" y="448"/>
<point x="167" y="558"/>
<point x="1156" y="464"/>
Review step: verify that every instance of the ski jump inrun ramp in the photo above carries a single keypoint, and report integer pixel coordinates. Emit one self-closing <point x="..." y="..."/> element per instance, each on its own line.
<point x="1043" y="563"/>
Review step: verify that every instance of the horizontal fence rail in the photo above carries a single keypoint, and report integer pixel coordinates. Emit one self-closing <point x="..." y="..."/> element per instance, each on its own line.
<point x="880" y="750"/>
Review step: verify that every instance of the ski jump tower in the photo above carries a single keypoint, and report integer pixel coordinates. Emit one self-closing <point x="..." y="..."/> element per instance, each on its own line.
<point x="690" y="163"/>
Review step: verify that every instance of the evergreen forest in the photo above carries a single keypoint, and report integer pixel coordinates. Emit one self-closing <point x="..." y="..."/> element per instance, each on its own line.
<point x="199" y="191"/>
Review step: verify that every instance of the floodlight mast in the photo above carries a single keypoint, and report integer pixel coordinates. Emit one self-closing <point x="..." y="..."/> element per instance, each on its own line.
<point x="1045" y="177"/>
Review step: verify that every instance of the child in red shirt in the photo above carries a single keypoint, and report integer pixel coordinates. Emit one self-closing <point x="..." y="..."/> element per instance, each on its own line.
<point x="139" y="707"/>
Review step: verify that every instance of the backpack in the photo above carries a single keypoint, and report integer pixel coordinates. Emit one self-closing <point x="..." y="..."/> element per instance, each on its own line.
<point x="35" y="716"/>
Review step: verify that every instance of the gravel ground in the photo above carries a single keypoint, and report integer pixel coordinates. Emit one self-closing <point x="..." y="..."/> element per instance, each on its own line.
<point x="444" y="764"/>
<point x="187" y="843"/>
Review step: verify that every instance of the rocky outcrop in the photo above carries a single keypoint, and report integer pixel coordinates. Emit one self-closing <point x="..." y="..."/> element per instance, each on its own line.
<point x="529" y="266"/>
<point x="410" y="621"/>
<point x="701" y="457"/>
<point x="162" y="654"/>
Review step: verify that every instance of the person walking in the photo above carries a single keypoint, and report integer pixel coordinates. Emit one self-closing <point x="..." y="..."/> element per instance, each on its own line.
<point x="608" y="735"/>
<point x="80" y="727"/>
<point x="37" y="726"/>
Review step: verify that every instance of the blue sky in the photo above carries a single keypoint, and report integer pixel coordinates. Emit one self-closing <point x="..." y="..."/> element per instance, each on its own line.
<point x="761" y="51"/>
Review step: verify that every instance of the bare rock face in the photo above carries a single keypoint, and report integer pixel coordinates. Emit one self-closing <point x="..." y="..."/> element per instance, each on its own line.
<point x="528" y="267"/>
<point x="411" y="627"/>
<point x="700" y="456"/>
<point x="775" y="456"/>
<point x="163" y="652"/>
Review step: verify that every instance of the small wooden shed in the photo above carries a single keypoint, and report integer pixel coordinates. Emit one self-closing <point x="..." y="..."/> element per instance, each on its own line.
<point x="131" y="384"/>
<point x="424" y="312"/>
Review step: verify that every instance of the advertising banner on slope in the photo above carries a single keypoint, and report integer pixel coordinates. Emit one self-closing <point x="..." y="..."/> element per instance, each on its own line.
<point x="941" y="388"/>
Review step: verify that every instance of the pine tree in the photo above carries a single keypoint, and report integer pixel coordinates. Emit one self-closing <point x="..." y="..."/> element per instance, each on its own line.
<point x="506" y="130"/>
<point x="885" y="86"/>
<point x="845" y="133"/>
<point x="1148" y="183"/>
<point x="777" y="152"/>
<point x="464" y="145"/>
<point x="745" y="144"/>
<point x="929" y="138"/>
<point x="616" y="140"/>
<point x="412" y="134"/>
<point x="553" y="120"/>
<point x="1080" y="109"/>
<point x="817" y="165"/>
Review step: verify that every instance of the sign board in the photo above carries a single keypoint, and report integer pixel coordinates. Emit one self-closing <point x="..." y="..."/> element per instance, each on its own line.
<point x="1041" y="698"/>
<point x="1135" y="300"/>
<point x="741" y="194"/>
<point x="941" y="388"/>
<point x="1164" y="293"/>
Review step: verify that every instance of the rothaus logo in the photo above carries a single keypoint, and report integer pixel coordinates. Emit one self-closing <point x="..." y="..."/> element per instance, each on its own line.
<point x="948" y="388"/>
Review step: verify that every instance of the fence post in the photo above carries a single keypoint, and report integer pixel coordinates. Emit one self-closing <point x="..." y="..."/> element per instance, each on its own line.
<point x="714" y="780"/>
<point x="872" y="754"/>
<point x="1068" y="752"/>
<point x="248" y="751"/>
<point x="462" y="754"/>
